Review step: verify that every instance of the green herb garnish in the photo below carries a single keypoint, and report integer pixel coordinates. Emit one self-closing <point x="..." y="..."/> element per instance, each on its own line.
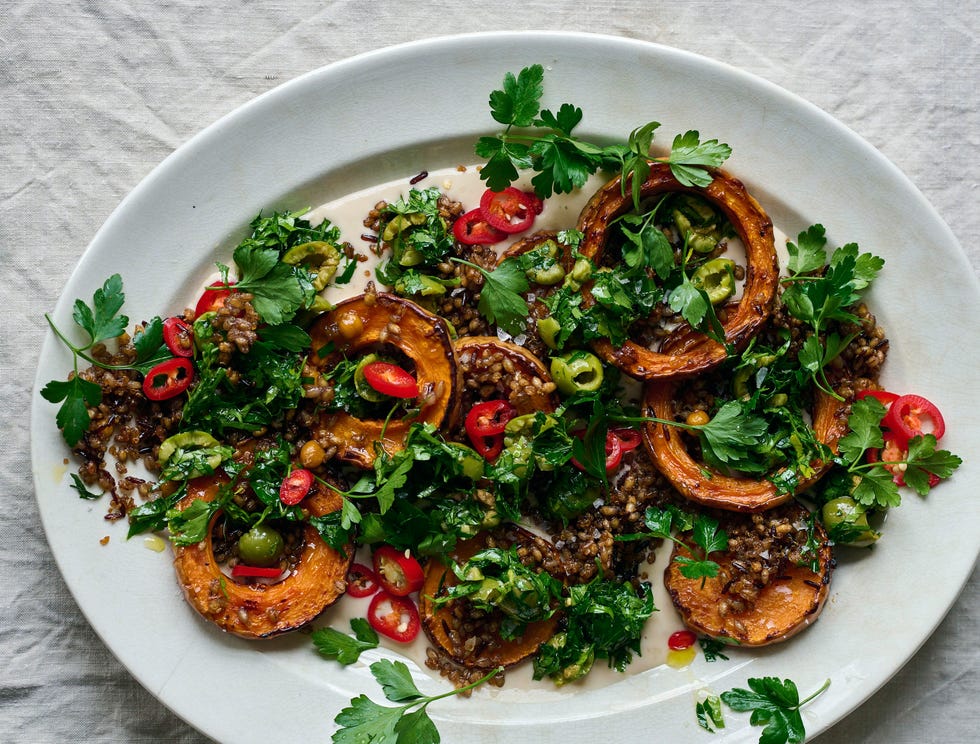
<point x="774" y="704"/>
<point x="365" y="721"/>
<point x="332" y="644"/>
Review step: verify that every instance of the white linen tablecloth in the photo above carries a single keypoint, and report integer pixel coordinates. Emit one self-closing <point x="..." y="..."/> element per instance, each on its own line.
<point x="95" y="93"/>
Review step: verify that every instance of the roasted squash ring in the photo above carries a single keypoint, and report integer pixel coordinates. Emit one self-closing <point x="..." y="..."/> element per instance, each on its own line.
<point x="438" y="623"/>
<point x="761" y="278"/>
<point x="516" y="361"/>
<point x="784" y="607"/>
<point x="371" y="320"/>
<point x="668" y="448"/>
<point x="254" y="610"/>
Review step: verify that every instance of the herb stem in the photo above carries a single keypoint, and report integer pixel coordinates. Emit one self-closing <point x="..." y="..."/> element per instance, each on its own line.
<point x="822" y="689"/>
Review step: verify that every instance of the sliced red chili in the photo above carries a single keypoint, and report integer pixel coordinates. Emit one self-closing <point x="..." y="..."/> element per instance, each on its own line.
<point x="882" y="396"/>
<point x="472" y="228"/>
<point x="614" y="453"/>
<point x="489" y="448"/>
<point x="178" y="337"/>
<point x="680" y="640"/>
<point x="489" y="418"/>
<point x="168" y="379"/>
<point x="390" y="379"/>
<point x="214" y="298"/>
<point x="361" y="581"/>
<point x="394" y="617"/>
<point x="397" y="571"/>
<point x="295" y="486"/>
<point x="905" y="418"/>
<point x="240" y="569"/>
<point x="629" y="439"/>
<point x="485" y="425"/>
<point x="894" y="452"/>
<point x="509" y="211"/>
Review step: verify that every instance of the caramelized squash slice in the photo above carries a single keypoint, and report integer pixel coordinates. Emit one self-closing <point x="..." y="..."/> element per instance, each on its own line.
<point x="366" y="323"/>
<point x="516" y="360"/>
<point x="258" y="610"/>
<point x="698" y="482"/>
<point x="784" y="607"/>
<point x="761" y="280"/>
<point x="439" y="624"/>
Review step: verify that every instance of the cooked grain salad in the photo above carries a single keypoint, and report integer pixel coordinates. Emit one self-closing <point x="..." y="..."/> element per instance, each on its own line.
<point x="516" y="425"/>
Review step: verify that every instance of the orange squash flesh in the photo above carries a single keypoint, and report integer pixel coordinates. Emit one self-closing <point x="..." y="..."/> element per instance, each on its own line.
<point x="362" y="323"/>
<point x="668" y="448"/>
<point x="257" y="610"/>
<point x="761" y="279"/>
<point x="784" y="607"/>
<point x="437" y="622"/>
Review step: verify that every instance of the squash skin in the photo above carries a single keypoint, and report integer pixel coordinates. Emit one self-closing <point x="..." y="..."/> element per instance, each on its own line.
<point x="668" y="449"/>
<point x="761" y="279"/>
<point x="361" y="322"/>
<point x="435" y="621"/>
<point x="258" y="611"/>
<point x="785" y="607"/>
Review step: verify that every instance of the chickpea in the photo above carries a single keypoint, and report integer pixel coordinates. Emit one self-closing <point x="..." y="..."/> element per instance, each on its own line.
<point x="311" y="454"/>
<point x="697" y="418"/>
<point x="350" y="325"/>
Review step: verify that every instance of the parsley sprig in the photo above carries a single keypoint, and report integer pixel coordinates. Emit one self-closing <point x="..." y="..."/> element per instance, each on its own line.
<point x="563" y="161"/>
<point x="332" y="644"/>
<point x="501" y="301"/>
<point x="101" y="321"/>
<point x="775" y="705"/>
<point x="875" y="486"/>
<point x="667" y="523"/>
<point x="822" y="296"/>
<point x="365" y="721"/>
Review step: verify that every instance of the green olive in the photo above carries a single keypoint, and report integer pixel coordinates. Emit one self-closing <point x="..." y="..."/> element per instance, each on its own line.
<point x="574" y="668"/>
<point x="717" y="278"/>
<point x="401" y="222"/>
<point x="471" y="464"/>
<point x="203" y="330"/>
<point x="318" y="256"/>
<point x="185" y="440"/>
<point x="421" y="284"/>
<point x="847" y="522"/>
<point x="261" y="546"/>
<point x="570" y="494"/>
<point x="360" y="382"/>
<point x="576" y="372"/>
<point x="581" y="273"/>
<point x="552" y="275"/>
<point x="697" y="223"/>
<point x="542" y="265"/>
<point x="548" y="329"/>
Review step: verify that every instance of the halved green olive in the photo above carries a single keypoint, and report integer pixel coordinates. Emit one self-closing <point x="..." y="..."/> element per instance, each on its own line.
<point x="697" y="222"/>
<point x="470" y="462"/>
<point x="581" y="273"/>
<point x="542" y="266"/>
<point x="261" y="546"/>
<point x="412" y="283"/>
<point x="401" y="222"/>
<point x="318" y="256"/>
<point x="360" y="382"/>
<point x="577" y="372"/>
<point x="717" y="278"/>
<point x="548" y="329"/>
<point x="572" y="670"/>
<point x="847" y="522"/>
<point x="190" y="440"/>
